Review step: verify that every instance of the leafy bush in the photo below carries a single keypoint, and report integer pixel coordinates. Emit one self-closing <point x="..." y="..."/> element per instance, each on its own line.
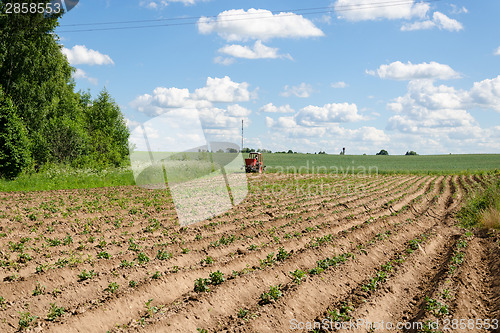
<point x="15" y="155"/>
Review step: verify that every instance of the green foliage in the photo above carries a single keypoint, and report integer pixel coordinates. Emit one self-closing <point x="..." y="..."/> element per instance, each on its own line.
<point x="15" y="155"/>
<point x="163" y="255"/>
<point x="38" y="101"/>
<point x="39" y="289"/>
<point x="216" y="278"/>
<point x="435" y="307"/>
<point x="55" y="311"/>
<point x="273" y="294"/>
<point x="411" y="152"/>
<point x="142" y="258"/>
<point x="282" y="254"/>
<point x="298" y="275"/>
<point x="201" y="285"/>
<point x="383" y="152"/>
<point x="342" y="314"/>
<point x="84" y="275"/>
<point x="112" y="287"/>
<point x="269" y="261"/>
<point x="26" y="320"/>
<point x="242" y="313"/>
<point x="109" y="133"/>
<point x="471" y="213"/>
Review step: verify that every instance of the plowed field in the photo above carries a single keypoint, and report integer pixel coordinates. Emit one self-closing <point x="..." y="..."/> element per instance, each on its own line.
<point x="301" y="250"/>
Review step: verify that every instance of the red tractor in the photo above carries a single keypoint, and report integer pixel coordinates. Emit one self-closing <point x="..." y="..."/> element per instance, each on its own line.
<point x="254" y="163"/>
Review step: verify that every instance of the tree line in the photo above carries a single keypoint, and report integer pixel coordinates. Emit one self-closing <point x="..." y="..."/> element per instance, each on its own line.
<point x="42" y="119"/>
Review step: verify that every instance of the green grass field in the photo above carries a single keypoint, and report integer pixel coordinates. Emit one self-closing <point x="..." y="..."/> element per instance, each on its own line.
<point x="446" y="164"/>
<point x="66" y="178"/>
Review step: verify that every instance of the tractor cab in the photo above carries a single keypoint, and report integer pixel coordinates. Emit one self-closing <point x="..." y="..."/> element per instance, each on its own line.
<point x="254" y="163"/>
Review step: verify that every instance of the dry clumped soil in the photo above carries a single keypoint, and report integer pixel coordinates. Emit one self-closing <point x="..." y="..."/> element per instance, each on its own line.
<point x="299" y="249"/>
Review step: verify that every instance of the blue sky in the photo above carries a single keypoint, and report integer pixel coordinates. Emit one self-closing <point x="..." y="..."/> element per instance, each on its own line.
<point x="308" y="76"/>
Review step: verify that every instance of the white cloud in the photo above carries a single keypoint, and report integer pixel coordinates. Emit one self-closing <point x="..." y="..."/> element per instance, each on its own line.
<point x="223" y="90"/>
<point x="159" y="4"/>
<point x="237" y="110"/>
<point x="485" y="94"/>
<point x="271" y="108"/>
<point x="340" y="84"/>
<point x="400" y="71"/>
<point x="163" y="100"/>
<point x="258" y="24"/>
<point x="80" y="74"/>
<point x="80" y="55"/>
<point x="259" y="51"/>
<point x="303" y="90"/>
<point x="446" y="23"/>
<point x="131" y="124"/>
<point x="329" y="113"/>
<point x="269" y="122"/>
<point x="431" y="109"/>
<point x="455" y="10"/>
<point x="363" y="10"/>
<point x="439" y="20"/>
<point x="497" y="51"/>
<point x="222" y="118"/>
<point x="286" y="122"/>
<point x="224" y="60"/>
<point x="152" y="4"/>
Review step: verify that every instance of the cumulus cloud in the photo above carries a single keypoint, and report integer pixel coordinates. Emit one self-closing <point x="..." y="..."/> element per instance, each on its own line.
<point x="427" y="108"/>
<point x="80" y="74"/>
<point x="401" y="71"/>
<point x="80" y="55"/>
<point x="221" y="118"/>
<point x="164" y="99"/>
<point x="223" y="90"/>
<point x="237" y="110"/>
<point x="316" y="116"/>
<point x="485" y="94"/>
<point x="181" y="103"/>
<point x="259" y="51"/>
<point x="258" y="24"/>
<point x="271" y="108"/>
<point x="329" y="113"/>
<point x="339" y="84"/>
<point x="439" y="20"/>
<point x="364" y="10"/>
<point x="303" y="90"/>
<point x="497" y="51"/>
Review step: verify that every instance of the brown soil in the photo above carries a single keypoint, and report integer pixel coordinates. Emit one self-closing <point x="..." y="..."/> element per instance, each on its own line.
<point x="406" y="223"/>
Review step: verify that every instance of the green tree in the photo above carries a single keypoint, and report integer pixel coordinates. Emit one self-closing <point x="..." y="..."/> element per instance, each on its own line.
<point x="15" y="153"/>
<point x="108" y="130"/>
<point x="36" y="76"/>
<point x="383" y="152"/>
<point x="62" y="126"/>
<point x="411" y="152"/>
